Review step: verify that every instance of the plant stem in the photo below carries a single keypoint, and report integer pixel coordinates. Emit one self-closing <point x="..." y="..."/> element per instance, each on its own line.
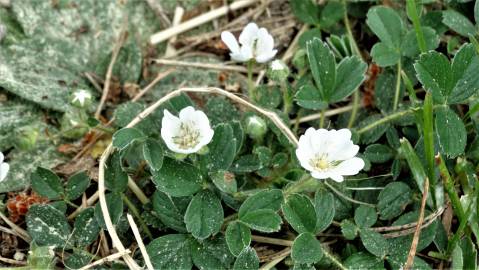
<point x="354" y="111"/>
<point x="323" y="117"/>
<point x="136" y="213"/>
<point x="449" y="187"/>
<point x="286" y="98"/>
<point x="386" y="119"/>
<point x="251" y="91"/>
<point x="409" y="87"/>
<point x="412" y="12"/>
<point x="301" y="185"/>
<point x="428" y="135"/>
<point x="340" y="194"/>
<point x="334" y="260"/>
<point x="398" y="86"/>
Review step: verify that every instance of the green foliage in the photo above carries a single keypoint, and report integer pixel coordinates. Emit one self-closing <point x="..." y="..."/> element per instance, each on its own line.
<point x="153" y="154"/>
<point x="76" y="185"/>
<point x="451" y="132"/>
<point x="306" y="249"/>
<point x="47" y="226"/>
<point x="247" y="259"/>
<point x="204" y="215"/>
<point x="222" y="149"/>
<point x="299" y="211"/>
<point x="171" y="251"/>
<point x="393" y="199"/>
<point x="126" y="136"/>
<point x="365" y="216"/>
<point x="47" y="183"/>
<point x="86" y="228"/>
<point x="238" y="237"/>
<point x="116" y="179"/>
<point x="177" y="178"/>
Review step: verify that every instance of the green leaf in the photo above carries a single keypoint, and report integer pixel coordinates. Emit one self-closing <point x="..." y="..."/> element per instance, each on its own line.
<point x="221" y="110"/>
<point x="349" y="229"/>
<point x="222" y="149"/>
<point x="153" y="154"/>
<point x="238" y="236"/>
<point x="114" y="203"/>
<point x="116" y="179"/>
<point x="265" y="199"/>
<point x="168" y="212"/>
<point x="41" y="257"/>
<point x="350" y="73"/>
<point x="365" y="216"/>
<point x="263" y="220"/>
<point x="247" y="260"/>
<point x="384" y="55"/>
<point x="85" y="229"/>
<point x="246" y="163"/>
<point x="469" y="253"/>
<point x="306" y="249"/>
<point x="309" y="97"/>
<point x="435" y="74"/>
<point x="325" y="209"/>
<point x="323" y="67"/>
<point x="387" y="25"/>
<point x="451" y="132"/>
<point x="305" y="10"/>
<point x="46" y="183"/>
<point x="363" y="260"/>
<point x="464" y="68"/>
<point x="378" y="153"/>
<point x="410" y="46"/>
<point x="224" y="181"/>
<point x="300" y="213"/>
<point x="374" y="242"/>
<point x="47" y="226"/>
<point x="126" y="136"/>
<point x="373" y="134"/>
<point x="177" y="178"/>
<point x="211" y="254"/>
<point x="393" y="199"/>
<point x="171" y="251"/>
<point x="76" y="185"/>
<point x="458" y="23"/>
<point x="457" y="258"/>
<point x="331" y="14"/>
<point x="77" y="260"/>
<point x="204" y="215"/>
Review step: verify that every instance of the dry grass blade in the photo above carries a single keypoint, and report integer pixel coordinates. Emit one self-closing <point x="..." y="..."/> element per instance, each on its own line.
<point x="275" y="259"/>
<point x="415" y="239"/>
<point x="137" y="235"/>
<point x="201" y="65"/>
<point x="110" y="258"/>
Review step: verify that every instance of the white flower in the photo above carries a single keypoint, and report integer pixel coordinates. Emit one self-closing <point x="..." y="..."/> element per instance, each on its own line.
<point x="81" y="98"/>
<point x="4" y="167"/>
<point x="329" y="154"/>
<point x="277" y="65"/>
<point x="255" y="43"/>
<point x="187" y="133"/>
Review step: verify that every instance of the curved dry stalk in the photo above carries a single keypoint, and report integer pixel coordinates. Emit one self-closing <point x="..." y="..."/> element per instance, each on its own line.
<point x="110" y="258"/>
<point x="208" y="90"/>
<point x="137" y="235"/>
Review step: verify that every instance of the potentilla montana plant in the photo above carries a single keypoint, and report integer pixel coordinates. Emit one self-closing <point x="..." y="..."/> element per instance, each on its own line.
<point x="4" y="168"/>
<point x="329" y="154"/>
<point x="255" y="45"/>
<point x="187" y="133"/>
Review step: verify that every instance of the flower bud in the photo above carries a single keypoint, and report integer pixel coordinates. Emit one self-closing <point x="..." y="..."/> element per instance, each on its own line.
<point x="72" y="125"/>
<point x="81" y="98"/>
<point x="256" y="127"/>
<point x="278" y="71"/>
<point x="26" y="137"/>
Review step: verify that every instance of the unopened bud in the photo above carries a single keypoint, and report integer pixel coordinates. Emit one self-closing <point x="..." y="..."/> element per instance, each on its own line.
<point x="278" y="71"/>
<point x="256" y="127"/>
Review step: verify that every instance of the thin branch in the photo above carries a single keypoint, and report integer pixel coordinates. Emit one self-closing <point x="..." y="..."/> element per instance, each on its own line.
<point x="415" y="239"/>
<point x="346" y="197"/>
<point x="158" y="78"/>
<point x="431" y="217"/>
<point x="277" y="258"/>
<point x="199" y="20"/>
<point x="107" y="259"/>
<point x="316" y="116"/>
<point x="170" y="49"/>
<point x="10" y="261"/>
<point x="139" y="241"/>
<point x="89" y="202"/>
<point x="221" y="67"/>
<point x="21" y="232"/>
<point x="273" y="241"/>
<point x="106" y="86"/>
<point x="158" y="9"/>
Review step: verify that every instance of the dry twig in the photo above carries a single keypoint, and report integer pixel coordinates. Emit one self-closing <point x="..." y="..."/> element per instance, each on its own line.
<point x="139" y="241"/>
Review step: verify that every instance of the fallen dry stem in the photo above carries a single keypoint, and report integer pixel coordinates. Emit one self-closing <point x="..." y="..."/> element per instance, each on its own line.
<point x="415" y="239"/>
<point x="220" y="67"/>
<point x="139" y="241"/>
<point x="110" y="258"/>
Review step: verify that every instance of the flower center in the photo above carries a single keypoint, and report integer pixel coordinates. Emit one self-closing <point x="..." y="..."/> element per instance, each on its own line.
<point x="188" y="137"/>
<point x="320" y="163"/>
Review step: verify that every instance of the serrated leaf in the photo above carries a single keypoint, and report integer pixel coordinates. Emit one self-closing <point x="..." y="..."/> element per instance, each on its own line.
<point x="247" y="260"/>
<point x="263" y="220"/>
<point x="177" y="178"/>
<point x="300" y="213"/>
<point x="451" y="132"/>
<point x="384" y="55"/>
<point x="323" y="67"/>
<point x="153" y="154"/>
<point x="204" y="215"/>
<point x="76" y="185"/>
<point x="309" y="97"/>
<point x="365" y="216"/>
<point x="168" y="212"/>
<point x="363" y="260"/>
<point x="238" y="236"/>
<point x="46" y="183"/>
<point x="306" y="11"/>
<point x="222" y="149"/>
<point x="393" y="199"/>
<point x="325" y="209"/>
<point x="350" y="73"/>
<point x="85" y="229"/>
<point x="410" y="46"/>
<point x="47" y="226"/>
<point x="458" y="23"/>
<point x="170" y="252"/>
<point x="116" y="179"/>
<point x="434" y="73"/>
<point x="387" y="25"/>
<point x="374" y="242"/>
<point x="211" y="254"/>
<point x="265" y="199"/>
<point x="126" y="136"/>
<point x="224" y="181"/>
<point x="306" y="249"/>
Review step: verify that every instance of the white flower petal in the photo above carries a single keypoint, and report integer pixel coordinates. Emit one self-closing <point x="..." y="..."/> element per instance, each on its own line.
<point x="350" y="167"/>
<point x="229" y="39"/>
<point x="263" y="58"/>
<point x="187" y="114"/>
<point x="336" y="177"/>
<point x="4" y="168"/>
<point x="320" y="175"/>
<point x="249" y="35"/>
